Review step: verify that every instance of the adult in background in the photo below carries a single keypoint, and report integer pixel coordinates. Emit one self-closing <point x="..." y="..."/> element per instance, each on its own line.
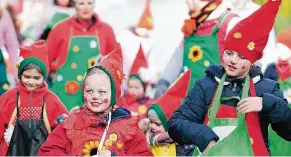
<point x="73" y="46"/>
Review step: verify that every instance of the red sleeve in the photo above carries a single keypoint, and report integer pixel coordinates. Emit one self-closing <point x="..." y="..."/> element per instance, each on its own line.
<point x="58" y="109"/>
<point x="137" y="146"/>
<point x="110" y="41"/>
<point x="54" y="41"/>
<point x="57" y="144"/>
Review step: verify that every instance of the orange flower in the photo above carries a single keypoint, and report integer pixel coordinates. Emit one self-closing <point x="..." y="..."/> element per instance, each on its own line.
<point x="72" y="87"/>
<point x="189" y="27"/>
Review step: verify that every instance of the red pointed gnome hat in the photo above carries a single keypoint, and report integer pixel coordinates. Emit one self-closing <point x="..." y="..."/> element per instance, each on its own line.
<point x="112" y="65"/>
<point x="140" y="61"/>
<point x="250" y="36"/>
<point x="36" y="54"/>
<point x="284" y="37"/>
<point x="146" y="20"/>
<point x="167" y="103"/>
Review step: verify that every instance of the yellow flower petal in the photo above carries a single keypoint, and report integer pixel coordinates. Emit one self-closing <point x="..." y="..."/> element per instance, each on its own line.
<point x="87" y="146"/>
<point x="142" y="109"/>
<point x="92" y="144"/>
<point x="96" y="144"/>
<point x="251" y="46"/>
<point x="91" y="62"/>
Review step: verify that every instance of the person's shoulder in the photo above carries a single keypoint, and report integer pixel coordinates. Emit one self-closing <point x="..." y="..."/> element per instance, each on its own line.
<point x="11" y="93"/>
<point x="266" y="85"/>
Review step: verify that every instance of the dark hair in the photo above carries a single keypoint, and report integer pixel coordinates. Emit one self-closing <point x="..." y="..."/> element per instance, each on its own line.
<point x="32" y="66"/>
<point x="70" y="4"/>
<point x="14" y="18"/>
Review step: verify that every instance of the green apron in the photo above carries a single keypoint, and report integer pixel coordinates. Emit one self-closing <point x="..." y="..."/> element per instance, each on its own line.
<point x="279" y="146"/>
<point x="4" y="85"/>
<point x="201" y="51"/>
<point x="238" y="142"/>
<point x="81" y="56"/>
<point x="57" y="17"/>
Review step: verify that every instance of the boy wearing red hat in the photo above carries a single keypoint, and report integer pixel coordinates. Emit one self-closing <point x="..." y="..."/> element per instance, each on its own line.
<point x="281" y="72"/>
<point x="30" y="110"/>
<point x="99" y="128"/>
<point x="160" y="112"/>
<point x="228" y="112"/>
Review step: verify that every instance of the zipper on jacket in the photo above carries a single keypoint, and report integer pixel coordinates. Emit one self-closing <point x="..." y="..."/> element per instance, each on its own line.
<point x="234" y="86"/>
<point x="29" y="107"/>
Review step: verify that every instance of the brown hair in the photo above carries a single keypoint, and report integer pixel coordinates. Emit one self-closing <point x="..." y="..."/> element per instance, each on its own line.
<point x="32" y="66"/>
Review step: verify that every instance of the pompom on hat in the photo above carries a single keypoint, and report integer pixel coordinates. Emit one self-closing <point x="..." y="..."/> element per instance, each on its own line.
<point x="250" y="36"/>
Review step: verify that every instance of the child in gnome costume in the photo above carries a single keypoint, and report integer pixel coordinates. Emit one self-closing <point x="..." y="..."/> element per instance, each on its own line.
<point x="160" y="112"/>
<point x="136" y="98"/>
<point x="98" y="128"/>
<point x="228" y="112"/>
<point x="281" y="72"/>
<point x="30" y="110"/>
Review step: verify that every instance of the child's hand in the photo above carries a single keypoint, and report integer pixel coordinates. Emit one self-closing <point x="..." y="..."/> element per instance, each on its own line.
<point x="210" y="145"/>
<point x="250" y="104"/>
<point x="144" y="124"/>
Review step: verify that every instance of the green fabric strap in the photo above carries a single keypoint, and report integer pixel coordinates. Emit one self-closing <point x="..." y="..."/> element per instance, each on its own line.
<point x="217" y="99"/>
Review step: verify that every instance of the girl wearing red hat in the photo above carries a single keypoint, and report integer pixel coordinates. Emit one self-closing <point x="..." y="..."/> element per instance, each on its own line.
<point x="98" y="128"/>
<point x="228" y="112"/>
<point x="73" y="46"/>
<point x="281" y="72"/>
<point x="30" y="110"/>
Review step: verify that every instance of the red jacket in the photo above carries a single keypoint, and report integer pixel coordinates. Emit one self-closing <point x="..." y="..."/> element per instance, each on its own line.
<point x="82" y="131"/>
<point x="8" y="101"/>
<point x="59" y="39"/>
<point x="139" y="106"/>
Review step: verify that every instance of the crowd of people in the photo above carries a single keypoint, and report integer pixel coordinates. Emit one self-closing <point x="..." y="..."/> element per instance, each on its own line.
<point x="68" y="86"/>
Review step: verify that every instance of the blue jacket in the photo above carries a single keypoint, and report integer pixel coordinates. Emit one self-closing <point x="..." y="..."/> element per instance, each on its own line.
<point x="186" y="124"/>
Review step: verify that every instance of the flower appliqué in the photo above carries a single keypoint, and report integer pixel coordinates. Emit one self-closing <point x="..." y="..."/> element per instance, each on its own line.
<point x="251" y="46"/>
<point x="237" y="35"/>
<point x="76" y="49"/>
<point x="91" y="148"/>
<point x="195" y="53"/>
<point x="72" y="87"/>
<point x="91" y="62"/>
<point x="108" y="143"/>
<point x="113" y="137"/>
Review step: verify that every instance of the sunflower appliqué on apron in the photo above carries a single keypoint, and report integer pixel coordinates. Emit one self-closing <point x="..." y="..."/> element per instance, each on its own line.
<point x="91" y="147"/>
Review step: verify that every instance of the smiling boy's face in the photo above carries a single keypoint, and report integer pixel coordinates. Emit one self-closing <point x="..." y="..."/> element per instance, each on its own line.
<point x="156" y="125"/>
